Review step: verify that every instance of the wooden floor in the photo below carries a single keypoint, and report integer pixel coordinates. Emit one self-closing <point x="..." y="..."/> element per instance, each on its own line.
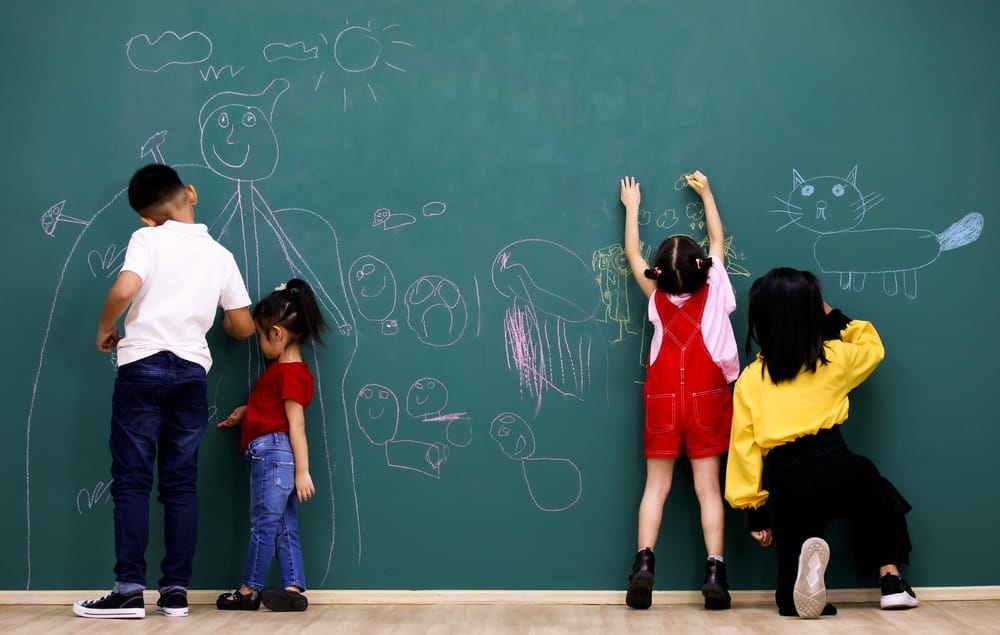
<point x="959" y="617"/>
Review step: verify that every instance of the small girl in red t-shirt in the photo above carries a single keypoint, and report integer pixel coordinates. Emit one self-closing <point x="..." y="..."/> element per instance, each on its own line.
<point x="273" y="439"/>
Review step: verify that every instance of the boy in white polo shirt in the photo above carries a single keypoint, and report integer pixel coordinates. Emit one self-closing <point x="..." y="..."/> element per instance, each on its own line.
<point x="174" y="276"/>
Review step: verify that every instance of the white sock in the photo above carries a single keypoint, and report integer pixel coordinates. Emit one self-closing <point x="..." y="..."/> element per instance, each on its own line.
<point x="719" y="558"/>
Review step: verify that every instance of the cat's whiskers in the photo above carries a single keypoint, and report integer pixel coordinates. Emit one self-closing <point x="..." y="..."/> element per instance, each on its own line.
<point x="791" y="222"/>
<point x="788" y="203"/>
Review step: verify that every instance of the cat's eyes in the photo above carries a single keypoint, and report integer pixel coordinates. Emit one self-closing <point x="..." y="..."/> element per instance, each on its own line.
<point x="838" y="190"/>
<point x="807" y="190"/>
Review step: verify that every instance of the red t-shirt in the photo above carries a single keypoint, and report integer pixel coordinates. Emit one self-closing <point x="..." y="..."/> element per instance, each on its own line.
<point x="266" y="406"/>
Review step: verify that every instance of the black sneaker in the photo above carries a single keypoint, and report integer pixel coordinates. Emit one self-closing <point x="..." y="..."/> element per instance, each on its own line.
<point x="173" y="603"/>
<point x="112" y="605"/>
<point x="640" y="583"/>
<point x="810" y="586"/>
<point x="896" y="593"/>
<point x="716" y="587"/>
<point x="281" y="600"/>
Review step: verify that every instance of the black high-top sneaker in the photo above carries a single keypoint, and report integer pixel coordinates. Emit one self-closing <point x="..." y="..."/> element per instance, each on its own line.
<point x="716" y="586"/>
<point x="640" y="583"/>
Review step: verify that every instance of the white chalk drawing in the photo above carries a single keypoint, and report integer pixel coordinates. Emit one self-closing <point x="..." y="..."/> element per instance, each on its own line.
<point x="101" y="493"/>
<point x="51" y="218"/>
<point x="415" y="448"/>
<point x="167" y="49"/>
<point x="151" y="148"/>
<point x="215" y="72"/>
<point x="427" y="400"/>
<point x="834" y="207"/>
<point x="436" y="311"/>
<point x="373" y="289"/>
<point x="547" y="286"/>
<point x="295" y="51"/>
<point x="554" y="484"/>
<point x="107" y="263"/>
<point x="387" y="219"/>
<point x="357" y="51"/>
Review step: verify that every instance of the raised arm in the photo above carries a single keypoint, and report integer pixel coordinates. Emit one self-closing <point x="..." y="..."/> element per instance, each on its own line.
<point x="713" y="222"/>
<point x="633" y="251"/>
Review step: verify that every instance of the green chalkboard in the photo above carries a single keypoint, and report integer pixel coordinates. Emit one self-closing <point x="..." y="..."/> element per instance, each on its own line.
<point x="446" y="174"/>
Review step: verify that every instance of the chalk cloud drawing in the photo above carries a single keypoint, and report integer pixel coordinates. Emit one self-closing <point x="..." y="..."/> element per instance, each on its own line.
<point x="554" y="484"/>
<point x="373" y="288"/>
<point x="833" y="207"/>
<point x="548" y="289"/>
<point x="388" y="219"/>
<point x="152" y="55"/>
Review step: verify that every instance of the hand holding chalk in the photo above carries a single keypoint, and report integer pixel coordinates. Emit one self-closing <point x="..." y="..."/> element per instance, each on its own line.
<point x="699" y="181"/>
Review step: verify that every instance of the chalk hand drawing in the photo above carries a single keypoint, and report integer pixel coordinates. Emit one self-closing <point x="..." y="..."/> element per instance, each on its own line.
<point x="387" y="219"/>
<point x="833" y="207"/>
<point x="549" y="288"/>
<point x="100" y="494"/>
<point x="554" y="484"/>
<point x="373" y="288"/>
<point x="427" y="400"/>
<point x="613" y="282"/>
<point x="105" y="264"/>
<point x="151" y="148"/>
<point x="376" y="413"/>
<point x="168" y="48"/>
<point x="51" y="217"/>
<point x="436" y="311"/>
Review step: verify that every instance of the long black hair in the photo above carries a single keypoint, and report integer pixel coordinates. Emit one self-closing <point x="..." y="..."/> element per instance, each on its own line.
<point x="785" y="318"/>
<point x="680" y="266"/>
<point x="293" y="306"/>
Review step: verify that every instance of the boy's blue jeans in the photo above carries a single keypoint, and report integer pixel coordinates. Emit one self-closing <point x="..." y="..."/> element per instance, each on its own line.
<point x="160" y="405"/>
<point x="274" y="529"/>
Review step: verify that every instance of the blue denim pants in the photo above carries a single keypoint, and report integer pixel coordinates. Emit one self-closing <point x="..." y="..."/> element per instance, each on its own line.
<point x="274" y="528"/>
<point x="159" y="407"/>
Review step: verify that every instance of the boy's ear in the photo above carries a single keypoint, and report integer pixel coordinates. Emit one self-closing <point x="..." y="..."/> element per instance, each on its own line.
<point x="147" y="221"/>
<point x="192" y="194"/>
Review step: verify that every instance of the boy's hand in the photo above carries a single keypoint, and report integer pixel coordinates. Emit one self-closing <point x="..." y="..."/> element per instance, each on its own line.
<point x="304" y="486"/>
<point x="764" y="537"/>
<point x="698" y="178"/>
<point x="630" y="193"/>
<point x="107" y="340"/>
<point x="233" y="419"/>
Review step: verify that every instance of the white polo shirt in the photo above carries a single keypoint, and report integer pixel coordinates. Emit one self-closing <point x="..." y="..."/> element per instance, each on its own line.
<point x="186" y="276"/>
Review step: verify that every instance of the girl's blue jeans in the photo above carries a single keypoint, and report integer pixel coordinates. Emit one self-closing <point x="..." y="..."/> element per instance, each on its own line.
<point x="274" y="530"/>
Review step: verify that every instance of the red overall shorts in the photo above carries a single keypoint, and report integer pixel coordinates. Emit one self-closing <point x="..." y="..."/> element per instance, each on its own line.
<point x="689" y="406"/>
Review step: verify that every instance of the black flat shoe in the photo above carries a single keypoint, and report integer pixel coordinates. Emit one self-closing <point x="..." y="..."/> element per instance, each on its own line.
<point x="237" y="601"/>
<point x="282" y="600"/>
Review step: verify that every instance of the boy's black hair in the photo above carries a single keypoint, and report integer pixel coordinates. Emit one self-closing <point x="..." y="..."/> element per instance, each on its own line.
<point x="680" y="266"/>
<point x="785" y="317"/>
<point x="151" y="185"/>
<point x="293" y="307"/>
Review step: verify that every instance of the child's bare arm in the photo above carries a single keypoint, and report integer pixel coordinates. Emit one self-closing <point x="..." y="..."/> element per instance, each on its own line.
<point x="234" y="419"/>
<point x="119" y="297"/>
<point x="238" y="323"/>
<point x="713" y="222"/>
<point x="633" y="252"/>
<point x="304" y="488"/>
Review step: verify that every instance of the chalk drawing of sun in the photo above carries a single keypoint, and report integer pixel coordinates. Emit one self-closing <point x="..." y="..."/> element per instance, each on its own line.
<point x="362" y="50"/>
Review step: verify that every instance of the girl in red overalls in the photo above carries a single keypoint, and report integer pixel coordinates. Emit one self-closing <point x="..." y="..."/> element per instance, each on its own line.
<point x="693" y="358"/>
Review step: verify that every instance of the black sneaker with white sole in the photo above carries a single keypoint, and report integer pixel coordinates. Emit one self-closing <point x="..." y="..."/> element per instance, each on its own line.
<point x="173" y="603"/>
<point x="112" y="606"/>
<point x="896" y="593"/>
